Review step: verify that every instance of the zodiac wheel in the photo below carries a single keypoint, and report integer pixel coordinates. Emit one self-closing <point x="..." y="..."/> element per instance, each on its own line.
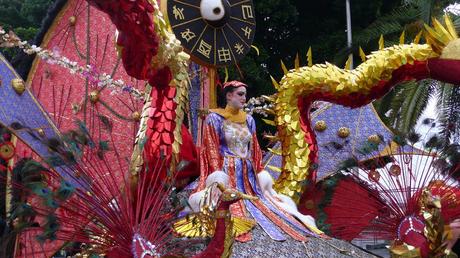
<point x="214" y="32"/>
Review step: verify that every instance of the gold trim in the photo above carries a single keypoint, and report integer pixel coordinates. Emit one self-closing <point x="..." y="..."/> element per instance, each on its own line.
<point x="164" y="9"/>
<point x="45" y="114"/>
<point x="187" y="4"/>
<point x="240" y="2"/>
<point x="229" y="47"/>
<point x="187" y="22"/>
<point x="9" y="181"/>
<point x="238" y="35"/>
<point x="212" y="88"/>
<point x="238" y="19"/>
<point x="355" y="136"/>
<point x="199" y="38"/>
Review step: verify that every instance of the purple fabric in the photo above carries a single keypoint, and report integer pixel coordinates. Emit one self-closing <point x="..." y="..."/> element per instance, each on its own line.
<point x="295" y="224"/>
<point x="271" y="229"/>
<point x="195" y="99"/>
<point x="27" y="111"/>
<point x="216" y="121"/>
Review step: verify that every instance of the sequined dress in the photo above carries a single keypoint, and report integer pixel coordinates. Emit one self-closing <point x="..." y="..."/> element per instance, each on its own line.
<point x="232" y="147"/>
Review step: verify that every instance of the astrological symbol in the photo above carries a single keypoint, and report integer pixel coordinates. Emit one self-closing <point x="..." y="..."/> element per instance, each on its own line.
<point x="178" y="13"/>
<point x="247" y="11"/>
<point x="239" y="48"/>
<point x="204" y="48"/>
<point x="224" y="55"/>
<point x="247" y="31"/>
<point x="188" y="35"/>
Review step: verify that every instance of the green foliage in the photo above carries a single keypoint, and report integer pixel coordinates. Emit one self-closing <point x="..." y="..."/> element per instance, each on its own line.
<point x="448" y="103"/>
<point x="23" y="13"/>
<point x="408" y="103"/>
<point x="24" y="17"/>
<point x="401" y="108"/>
<point x="408" y="16"/>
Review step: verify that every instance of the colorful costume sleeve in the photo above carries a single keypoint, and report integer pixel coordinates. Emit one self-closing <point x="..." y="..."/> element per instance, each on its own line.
<point x="256" y="152"/>
<point x="210" y="156"/>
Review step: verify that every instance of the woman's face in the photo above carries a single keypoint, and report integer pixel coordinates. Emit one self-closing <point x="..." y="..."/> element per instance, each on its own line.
<point x="237" y="98"/>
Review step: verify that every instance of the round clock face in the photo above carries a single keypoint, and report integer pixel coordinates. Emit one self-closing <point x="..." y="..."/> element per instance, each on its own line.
<point x="214" y="32"/>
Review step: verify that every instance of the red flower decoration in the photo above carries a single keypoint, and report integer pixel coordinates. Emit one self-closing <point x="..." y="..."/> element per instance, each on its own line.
<point x="161" y="78"/>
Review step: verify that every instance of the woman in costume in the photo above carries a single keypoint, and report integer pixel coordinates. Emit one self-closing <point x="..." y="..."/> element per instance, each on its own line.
<point x="230" y="146"/>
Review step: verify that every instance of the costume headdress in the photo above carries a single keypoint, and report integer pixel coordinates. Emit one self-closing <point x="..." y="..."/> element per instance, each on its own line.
<point x="235" y="84"/>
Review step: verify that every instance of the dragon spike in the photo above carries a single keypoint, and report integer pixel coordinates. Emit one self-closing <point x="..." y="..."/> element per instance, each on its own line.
<point x="297" y="62"/>
<point x="439" y="36"/>
<point x="418" y="37"/>
<point x="381" y="43"/>
<point x="445" y="35"/>
<point x="309" y="57"/>
<point x="402" y="38"/>
<point x="450" y="26"/>
<point x="348" y="63"/>
<point x="434" y="39"/>
<point x="275" y="83"/>
<point x="285" y="70"/>
<point x="362" y="54"/>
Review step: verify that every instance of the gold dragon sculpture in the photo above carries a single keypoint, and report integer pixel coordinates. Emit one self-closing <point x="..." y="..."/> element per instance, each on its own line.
<point x="379" y="72"/>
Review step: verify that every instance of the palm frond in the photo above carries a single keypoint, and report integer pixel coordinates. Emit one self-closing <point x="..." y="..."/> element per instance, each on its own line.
<point x="408" y="103"/>
<point x="383" y="106"/>
<point x="396" y="101"/>
<point x="456" y="22"/>
<point x="391" y="23"/>
<point x="425" y="8"/>
<point x="449" y="112"/>
<point x="415" y="104"/>
<point x="374" y="31"/>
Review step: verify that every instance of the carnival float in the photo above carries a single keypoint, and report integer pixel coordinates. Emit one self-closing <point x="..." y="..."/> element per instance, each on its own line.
<point x="112" y="143"/>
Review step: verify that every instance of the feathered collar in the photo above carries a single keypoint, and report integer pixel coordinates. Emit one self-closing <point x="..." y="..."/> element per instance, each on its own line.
<point x="231" y="114"/>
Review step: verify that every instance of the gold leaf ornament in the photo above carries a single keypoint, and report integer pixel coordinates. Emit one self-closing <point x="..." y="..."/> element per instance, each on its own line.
<point x="18" y="86"/>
